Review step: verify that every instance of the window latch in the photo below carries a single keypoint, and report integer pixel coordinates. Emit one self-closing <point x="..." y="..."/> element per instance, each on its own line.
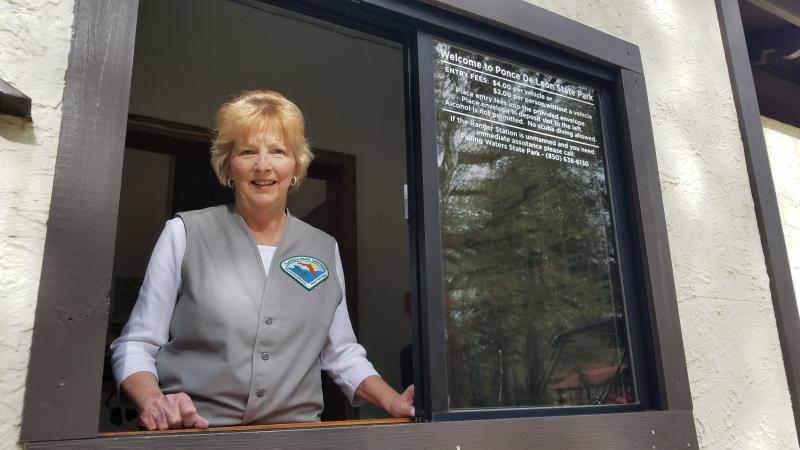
<point x="405" y="201"/>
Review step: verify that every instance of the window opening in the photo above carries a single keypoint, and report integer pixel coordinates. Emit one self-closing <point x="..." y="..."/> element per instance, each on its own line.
<point x="350" y="87"/>
<point x="394" y="20"/>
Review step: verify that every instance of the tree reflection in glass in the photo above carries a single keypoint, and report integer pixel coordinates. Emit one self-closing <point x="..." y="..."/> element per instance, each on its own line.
<point x="533" y="310"/>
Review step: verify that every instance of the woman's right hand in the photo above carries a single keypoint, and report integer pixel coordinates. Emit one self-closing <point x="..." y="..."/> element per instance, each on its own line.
<point x="170" y="411"/>
<point x="158" y="411"/>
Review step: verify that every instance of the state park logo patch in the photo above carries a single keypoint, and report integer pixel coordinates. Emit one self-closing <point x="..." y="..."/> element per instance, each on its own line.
<point x="306" y="270"/>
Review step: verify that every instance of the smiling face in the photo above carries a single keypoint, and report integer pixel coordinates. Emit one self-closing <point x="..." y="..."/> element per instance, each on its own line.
<point x="261" y="166"/>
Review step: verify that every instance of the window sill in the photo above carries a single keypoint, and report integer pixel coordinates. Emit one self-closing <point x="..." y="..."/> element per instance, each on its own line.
<point x="277" y="426"/>
<point x="662" y="429"/>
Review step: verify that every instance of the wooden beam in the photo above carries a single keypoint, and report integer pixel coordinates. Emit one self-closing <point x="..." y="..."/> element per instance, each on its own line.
<point x="661" y="299"/>
<point x="62" y="392"/>
<point x="13" y="102"/>
<point x="169" y="129"/>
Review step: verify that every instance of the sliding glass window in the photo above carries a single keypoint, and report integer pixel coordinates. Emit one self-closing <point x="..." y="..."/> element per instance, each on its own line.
<point x="533" y="304"/>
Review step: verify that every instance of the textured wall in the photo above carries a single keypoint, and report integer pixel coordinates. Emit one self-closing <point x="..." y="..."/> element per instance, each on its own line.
<point x="783" y="145"/>
<point x="34" y="46"/>
<point x="737" y="380"/>
<point x="738" y="384"/>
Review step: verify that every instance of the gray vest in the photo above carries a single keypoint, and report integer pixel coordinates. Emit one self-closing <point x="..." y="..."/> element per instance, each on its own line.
<point x="244" y="346"/>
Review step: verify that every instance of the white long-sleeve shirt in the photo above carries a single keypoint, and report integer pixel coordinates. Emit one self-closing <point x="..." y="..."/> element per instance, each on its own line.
<point x="148" y="327"/>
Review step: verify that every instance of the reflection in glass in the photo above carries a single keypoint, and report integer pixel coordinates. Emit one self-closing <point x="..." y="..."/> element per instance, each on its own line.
<point x="533" y="310"/>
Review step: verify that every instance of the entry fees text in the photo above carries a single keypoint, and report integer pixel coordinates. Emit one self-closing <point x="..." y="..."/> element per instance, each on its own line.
<point x="461" y="62"/>
<point x="557" y="123"/>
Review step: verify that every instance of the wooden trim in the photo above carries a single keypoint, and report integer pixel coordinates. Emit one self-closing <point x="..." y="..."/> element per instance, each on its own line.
<point x="550" y="28"/>
<point x="167" y="137"/>
<point x="659" y="429"/>
<point x="13" y="102"/>
<point x="661" y="298"/>
<point x="62" y="393"/>
<point x="169" y="129"/>
<point x="764" y="198"/>
<point x="274" y="426"/>
<point x="339" y="170"/>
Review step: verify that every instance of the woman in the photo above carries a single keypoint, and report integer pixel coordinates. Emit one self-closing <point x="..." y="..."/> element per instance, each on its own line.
<point x="243" y="305"/>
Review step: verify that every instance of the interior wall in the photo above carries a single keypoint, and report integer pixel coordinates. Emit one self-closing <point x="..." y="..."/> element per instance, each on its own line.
<point x="190" y="57"/>
<point x="35" y="37"/>
<point x="144" y="206"/>
<point x="736" y="372"/>
<point x="783" y="146"/>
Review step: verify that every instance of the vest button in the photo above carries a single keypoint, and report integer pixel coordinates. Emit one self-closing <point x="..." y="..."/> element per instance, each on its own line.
<point x="260" y="392"/>
<point x="265" y="356"/>
<point x="268" y="321"/>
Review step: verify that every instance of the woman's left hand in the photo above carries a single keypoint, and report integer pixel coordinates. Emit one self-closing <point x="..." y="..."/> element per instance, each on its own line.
<point x="374" y="390"/>
<point x="403" y="404"/>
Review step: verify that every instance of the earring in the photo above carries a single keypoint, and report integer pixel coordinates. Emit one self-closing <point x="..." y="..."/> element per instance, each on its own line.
<point x="294" y="181"/>
<point x="230" y="183"/>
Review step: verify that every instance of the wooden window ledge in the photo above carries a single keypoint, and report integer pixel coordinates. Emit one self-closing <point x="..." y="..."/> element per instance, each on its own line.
<point x="279" y="426"/>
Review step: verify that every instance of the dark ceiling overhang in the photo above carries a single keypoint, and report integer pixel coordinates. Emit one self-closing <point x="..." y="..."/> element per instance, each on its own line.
<point x="772" y="31"/>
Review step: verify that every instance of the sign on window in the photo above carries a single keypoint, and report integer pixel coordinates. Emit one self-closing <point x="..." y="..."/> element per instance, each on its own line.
<point x="533" y="307"/>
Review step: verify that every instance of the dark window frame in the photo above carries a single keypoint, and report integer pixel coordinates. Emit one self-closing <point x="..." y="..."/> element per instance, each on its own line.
<point x="620" y="204"/>
<point x="63" y="385"/>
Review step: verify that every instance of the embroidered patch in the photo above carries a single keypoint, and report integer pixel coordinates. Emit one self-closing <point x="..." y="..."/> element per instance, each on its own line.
<point x="306" y="270"/>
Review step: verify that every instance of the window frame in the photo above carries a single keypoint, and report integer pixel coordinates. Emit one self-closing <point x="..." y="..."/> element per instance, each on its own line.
<point x="625" y="242"/>
<point x="63" y="385"/>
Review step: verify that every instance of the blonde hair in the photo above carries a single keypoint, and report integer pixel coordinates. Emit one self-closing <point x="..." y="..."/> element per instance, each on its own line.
<point x="261" y="111"/>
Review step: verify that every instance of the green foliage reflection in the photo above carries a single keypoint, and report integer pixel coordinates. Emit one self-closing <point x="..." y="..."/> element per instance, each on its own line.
<point x="532" y="306"/>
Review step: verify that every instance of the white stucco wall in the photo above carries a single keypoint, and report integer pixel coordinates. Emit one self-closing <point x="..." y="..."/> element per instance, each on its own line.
<point x="738" y="384"/>
<point x="733" y="355"/>
<point x="783" y="145"/>
<point x="34" y="46"/>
